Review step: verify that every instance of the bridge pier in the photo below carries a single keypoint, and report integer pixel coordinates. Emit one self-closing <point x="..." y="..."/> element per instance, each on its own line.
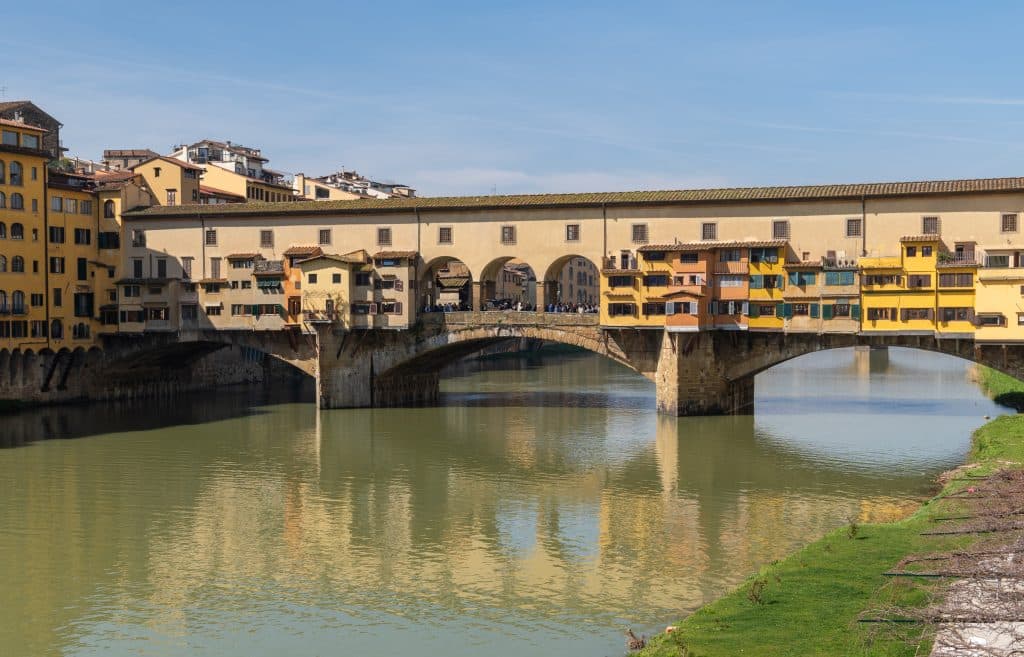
<point x="691" y="378"/>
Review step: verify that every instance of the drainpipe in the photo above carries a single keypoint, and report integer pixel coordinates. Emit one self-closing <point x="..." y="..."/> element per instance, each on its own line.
<point x="863" y="225"/>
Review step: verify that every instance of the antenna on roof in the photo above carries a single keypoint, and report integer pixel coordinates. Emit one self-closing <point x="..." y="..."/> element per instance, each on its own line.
<point x="3" y="93"/>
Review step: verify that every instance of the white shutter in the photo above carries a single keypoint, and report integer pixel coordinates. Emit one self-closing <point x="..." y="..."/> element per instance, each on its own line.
<point x="746" y="307"/>
<point x="670" y="308"/>
<point x="695" y="307"/>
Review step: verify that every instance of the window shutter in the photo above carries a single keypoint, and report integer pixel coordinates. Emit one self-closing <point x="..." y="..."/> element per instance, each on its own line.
<point x="399" y="285"/>
<point x="373" y="309"/>
<point x="787" y="310"/>
<point x="826" y="311"/>
<point x="780" y="282"/>
<point x="695" y="307"/>
<point x="756" y="282"/>
<point x="745" y="307"/>
<point x="670" y="308"/>
<point x="754" y="310"/>
<point x="814" y="311"/>
<point x="794" y="278"/>
<point x="398" y="308"/>
<point x="855" y="311"/>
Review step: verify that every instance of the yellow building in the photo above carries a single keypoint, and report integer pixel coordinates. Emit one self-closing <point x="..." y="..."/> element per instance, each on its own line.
<point x="24" y="321"/>
<point x="633" y="289"/>
<point x="73" y="268"/>
<point x="171" y="181"/>
<point x="338" y="289"/>
<point x="767" y="272"/>
<point x="252" y="189"/>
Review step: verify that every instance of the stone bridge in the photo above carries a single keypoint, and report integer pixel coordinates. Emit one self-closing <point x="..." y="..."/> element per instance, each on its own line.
<point x="695" y="373"/>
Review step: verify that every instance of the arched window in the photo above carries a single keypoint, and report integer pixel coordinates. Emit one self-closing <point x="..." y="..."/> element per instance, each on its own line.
<point x="17" y="201"/>
<point x="3" y="226"/>
<point x="18" y="302"/>
<point x="3" y="199"/>
<point x="3" y="264"/>
<point x="56" y="330"/>
<point x="16" y="174"/>
<point x="108" y="209"/>
<point x="18" y="264"/>
<point x="3" y="171"/>
<point x="4" y="308"/>
<point x="17" y="231"/>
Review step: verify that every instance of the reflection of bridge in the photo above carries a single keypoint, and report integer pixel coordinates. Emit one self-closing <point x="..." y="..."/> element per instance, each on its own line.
<point x="695" y="373"/>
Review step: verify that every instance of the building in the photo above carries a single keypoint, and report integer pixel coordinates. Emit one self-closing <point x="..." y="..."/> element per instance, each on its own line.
<point x="123" y="159"/>
<point x="171" y="181"/>
<point x="26" y="112"/>
<point x="235" y="171"/>
<point x="348" y="185"/>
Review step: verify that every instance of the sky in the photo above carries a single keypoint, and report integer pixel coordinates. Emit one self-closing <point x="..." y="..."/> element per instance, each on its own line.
<point x="476" y="98"/>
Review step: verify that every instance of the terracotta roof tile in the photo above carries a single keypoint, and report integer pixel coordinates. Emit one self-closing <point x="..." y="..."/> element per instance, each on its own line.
<point x="396" y="254"/>
<point x="243" y="256"/>
<point x="597" y="199"/>
<point x="303" y="251"/>
<point x="921" y="238"/>
<point x="711" y="244"/>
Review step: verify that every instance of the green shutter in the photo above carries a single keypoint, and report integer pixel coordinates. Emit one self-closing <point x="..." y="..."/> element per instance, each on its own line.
<point x="757" y="282"/>
<point x="754" y="311"/>
<point x="785" y="310"/>
<point x="780" y="282"/>
<point x="855" y="311"/>
<point x="794" y="278"/>
<point x="826" y="311"/>
<point x="814" y="311"/>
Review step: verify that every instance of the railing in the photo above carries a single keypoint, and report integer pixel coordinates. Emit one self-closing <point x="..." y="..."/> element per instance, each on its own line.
<point x="509" y="318"/>
<point x="957" y="259"/>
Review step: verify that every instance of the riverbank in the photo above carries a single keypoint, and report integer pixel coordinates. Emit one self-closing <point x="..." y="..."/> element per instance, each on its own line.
<point x="810" y="603"/>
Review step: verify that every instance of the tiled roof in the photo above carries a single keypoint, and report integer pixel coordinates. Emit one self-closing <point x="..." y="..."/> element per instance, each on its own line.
<point x="112" y="176"/>
<point x="805" y="264"/>
<point x="213" y="191"/>
<point x="129" y="152"/>
<point x="22" y="124"/>
<point x="303" y="251"/>
<point x="170" y="160"/>
<point x="921" y="238"/>
<point x="396" y="254"/>
<point x="597" y="199"/>
<point x="711" y="244"/>
<point x="354" y="258"/>
<point x="242" y="256"/>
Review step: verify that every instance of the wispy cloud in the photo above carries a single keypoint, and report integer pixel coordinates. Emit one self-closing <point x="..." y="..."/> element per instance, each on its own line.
<point x="931" y="99"/>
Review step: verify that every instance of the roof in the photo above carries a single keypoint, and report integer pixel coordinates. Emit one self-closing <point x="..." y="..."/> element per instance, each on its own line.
<point x="243" y="256"/>
<point x="213" y="191"/>
<point x="711" y="244"/>
<point x="169" y="160"/>
<point x="129" y="152"/>
<point x="920" y="238"/>
<point x="22" y="124"/>
<point x="303" y="251"/>
<point x="453" y="281"/>
<point x="396" y="254"/>
<point x="855" y="191"/>
<point x="113" y="176"/>
<point x="805" y="264"/>
<point x="354" y="258"/>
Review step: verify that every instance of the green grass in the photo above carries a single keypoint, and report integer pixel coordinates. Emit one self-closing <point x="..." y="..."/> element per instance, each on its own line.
<point x="812" y="600"/>
<point x="1003" y="389"/>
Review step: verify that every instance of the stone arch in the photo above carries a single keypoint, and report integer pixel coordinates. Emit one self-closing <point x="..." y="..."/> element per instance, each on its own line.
<point x="5" y="364"/>
<point x="28" y="363"/>
<point x="563" y="285"/>
<point x="508" y="279"/>
<point x="435" y="288"/>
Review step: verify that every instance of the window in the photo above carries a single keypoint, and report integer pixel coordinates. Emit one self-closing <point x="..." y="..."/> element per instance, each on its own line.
<point x="108" y="209"/>
<point x="161" y="268"/>
<point x="620" y="281"/>
<point x="853" y="228"/>
<point x="508" y="234"/>
<point x="172" y="197"/>
<point x="908" y="314"/>
<point x="213" y="311"/>
<point x="731" y="280"/>
<point x="36" y="300"/>
<point x="158" y="314"/>
<point x="56" y="330"/>
<point x="769" y="255"/>
<point x="3" y="264"/>
<point x="18" y="302"/>
<point x="730" y="255"/>
<point x="926" y="251"/>
<point x="1008" y="223"/>
<point x="654" y="256"/>
<point x="709" y="231"/>
<point x="56" y="234"/>
<point x="654" y="308"/>
<point x="801" y="309"/>
<point x="919" y="280"/>
<point x="211" y="237"/>
<point x="383" y="237"/>
<point x="995" y="261"/>
<point x="247" y="285"/>
<point x="780" y="230"/>
<point x="991" y="319"/>
<point x="325" y="236"/>
<point x="444" y="235"/>
<point x="17" y="265"/>
<point x="83" y="236"/>
<point x="83" y="303"/>
<point x="57" y="299"/>
<point x="83" y="269"/>
<point x="16" y="176"/>
<point x="136" y="267"/>
<point x="956" y="280"/>
<point x="109" y="239"/>
<point x="3" y="199"/>
<point x="839" y="278"/>
<point x="30" y="141"/>
<point x="10" y="138"/>
<point x="689" y="257"/>
<point x="621" y="309"/>
<point x="85" y="207"/>
<point x="640" y="233"/>
<point x="189" y="312"/>
<point x="363" y="279"/>
<point x="266" y="239"/>
<point x="57" y="204"/>
<point x="883" y="279"/>
<point x="17" y="201"/>
<point x="956" y="314"/>
<point x="572" y="232"/>
<point x="186" y="266"/>
<point x="132" y="291"/>
<point x="156" y="172"/>
<point x="336" y="279"/>
<point x="930" y="225"/>
<point x="311" y="278"/>
<point x="911" y="251"/>
<point x="802" y="278"/>
<point x="214" y="267"/>
<point x="56" y="265"/>
<point x="880" y="313"/>
<point x="655" y="280"/>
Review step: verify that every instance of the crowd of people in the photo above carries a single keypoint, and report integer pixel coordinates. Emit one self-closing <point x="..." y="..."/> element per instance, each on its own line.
<point x="508" y="305"/>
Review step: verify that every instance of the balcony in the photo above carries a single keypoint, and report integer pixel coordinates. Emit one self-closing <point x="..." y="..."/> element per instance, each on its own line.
<point x="612" y="264"/>
<point x="883" y="262"/>
<point x="736" y="267"/>
<point x="964" y="259"/>
<point x="686" y="288"/>
<point x="320" y="316"/>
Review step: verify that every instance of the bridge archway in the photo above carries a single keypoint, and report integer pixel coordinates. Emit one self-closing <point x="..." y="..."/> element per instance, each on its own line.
<point x="572" y="279"/>
<point x="506" y="282"/>
<point x="445" y="282"/>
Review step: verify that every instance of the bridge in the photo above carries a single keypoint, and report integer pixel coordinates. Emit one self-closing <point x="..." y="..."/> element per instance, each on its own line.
<point x="703" y="373"/>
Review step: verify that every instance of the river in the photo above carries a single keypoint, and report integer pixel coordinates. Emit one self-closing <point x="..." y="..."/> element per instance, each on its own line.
<point x="542" y="509"/>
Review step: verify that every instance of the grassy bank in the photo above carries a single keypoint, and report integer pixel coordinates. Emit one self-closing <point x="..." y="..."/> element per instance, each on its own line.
<point x="1003" y="389"/>
<point x="809" y="603"/>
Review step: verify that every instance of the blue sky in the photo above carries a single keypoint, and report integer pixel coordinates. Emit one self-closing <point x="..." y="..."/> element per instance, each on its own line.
<point x="466" y="98"/>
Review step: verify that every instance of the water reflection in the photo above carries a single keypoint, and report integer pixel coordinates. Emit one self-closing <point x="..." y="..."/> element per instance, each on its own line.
<point x="510" y="519"/>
